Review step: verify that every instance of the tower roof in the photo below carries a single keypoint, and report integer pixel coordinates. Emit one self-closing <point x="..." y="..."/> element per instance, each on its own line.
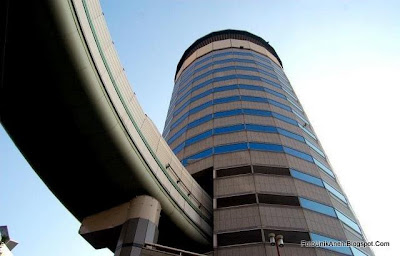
<point x="222" y="35"/>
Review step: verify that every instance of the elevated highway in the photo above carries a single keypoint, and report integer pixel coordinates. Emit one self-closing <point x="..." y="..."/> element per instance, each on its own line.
<point x="68" y="106"/>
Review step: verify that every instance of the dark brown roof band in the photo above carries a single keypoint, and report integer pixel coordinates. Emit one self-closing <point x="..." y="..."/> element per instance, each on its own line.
<point x="222" y="35"/>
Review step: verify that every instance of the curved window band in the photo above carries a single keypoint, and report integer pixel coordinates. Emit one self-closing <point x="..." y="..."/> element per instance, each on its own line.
<point x="330" y="211"/>
<point x="289" y="200"/>
<point x="223" y="61"/>
<point x="320" y="238"/>
<point x="231" y="77"/>
<point x="182" y="81"/>
<point x="228" y="100"/>
<point x="318" y="182"/>
<point x="233" y="112"/>
<point x="217" y="54"/>
<point x="171" y="113"/>
<point x="238" y="128"/>
<point x="233" y="99"/>
<point x="245" y="146"/>
<point x="257" y="146"/>
<point x="178" y="88"/>
<point x="224" y="69"/>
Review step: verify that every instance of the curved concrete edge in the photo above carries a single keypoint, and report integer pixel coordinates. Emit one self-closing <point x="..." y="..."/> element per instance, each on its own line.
<point x="127" y="123"/>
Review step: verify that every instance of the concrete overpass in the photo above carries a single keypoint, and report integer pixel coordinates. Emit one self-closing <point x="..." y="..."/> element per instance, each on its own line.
<point x="68" y="106"/>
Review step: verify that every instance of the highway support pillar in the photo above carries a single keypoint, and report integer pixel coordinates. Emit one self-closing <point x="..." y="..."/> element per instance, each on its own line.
<point x="126" y="228"/>
<point x="140" y="227"/>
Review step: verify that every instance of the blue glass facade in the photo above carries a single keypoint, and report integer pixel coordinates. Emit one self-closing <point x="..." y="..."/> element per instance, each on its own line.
<point x="235" y="117"/>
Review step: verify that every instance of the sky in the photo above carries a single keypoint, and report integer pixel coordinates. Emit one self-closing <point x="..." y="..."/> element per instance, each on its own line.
<point x="342" y="58"/>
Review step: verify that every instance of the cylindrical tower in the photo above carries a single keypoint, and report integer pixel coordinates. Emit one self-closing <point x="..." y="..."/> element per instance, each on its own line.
<point x="236" y="124"/>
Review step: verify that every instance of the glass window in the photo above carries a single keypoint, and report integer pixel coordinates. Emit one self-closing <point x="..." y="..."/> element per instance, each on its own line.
<point x="226" y="88"/>
<point x="268" y="73"/>
<point x="224" y="78"/>
<point x="319" y="238"/>
<point x="250" y="127"/>
<point x="300" y="116"/>
<point x="201" y="85"/>
<point x="244" y="68"/>
<point x="218" y="79"/>
<point x="199" y="137"/>
<point x="271" y="82"/>
<point x="179" y="148"/>
<point x="324" y="168"/>
<point x="251" y="87"/>
<point x="278" y="199"/>
<point x="349" y="222"/>
<point x="204" y="75"/>
<point x="240" y="127"/>
<point x="198" y="156"/>
<point x="297" y="153"/>
<point x="227" y="129"/>
<point x="288" y="92"/>
<point x="317" y="207"/>
<point x="261" y="57"/>
<point x="242" y="53"/>
<point x="241" y="237"/>
<point x="294" y="104"/>
<point x="176" y="135"/>
<point x="201" y="107"/>
<point x="183" y="88"/>
<point x="184" y="105"/>
<point x="307" y="178"/>
<point x="261" y="128"/>
<point x="308" y="132"/>
<point x="279" y="71"/>
<point x="204" y="67"/>
<point x="229" y="68"/>
<point x="201" y="95"/>
<point x="243" y="60"/>
<point x="179" y="120"/>
<point x="257" y="112"/>
<point x="248" y="77"/>
<point x="279" y="105"/>
<point x="284" y="118"/>
<point x="277" y="94"/>
<point x="271" y="170"/>
<point x="335" y="192"/>
<point x="286" y="85"/>
<point x="232" y="112"/>
<point x="283" y="80"/>
<point x="199" y="121"/>
<point x="290" y="134"/>
<point x="266" y="147"/>
<point x="263" y="65"/>
<point x="230" y="148"/>
<point x="315" y="148"/>
<point x="357" y="252"/>
<point x="180" y="99"/>
<point x="221" y="114"/>
<point x="254" y="99"/>
<point x="233" y="171"/>
<point x="236" y="200"/>
<point x="227" y="99"/>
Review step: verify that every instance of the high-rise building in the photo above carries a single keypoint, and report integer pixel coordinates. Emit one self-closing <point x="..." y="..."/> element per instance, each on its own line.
<point x="237" y="125"/>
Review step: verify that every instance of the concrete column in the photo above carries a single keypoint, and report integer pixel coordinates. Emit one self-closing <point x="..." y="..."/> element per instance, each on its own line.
<point x="124" y="228"/>
<point x="141" y="226"/>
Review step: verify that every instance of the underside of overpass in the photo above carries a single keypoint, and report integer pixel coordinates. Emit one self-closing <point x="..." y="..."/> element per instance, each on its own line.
<point x="50" y="117"/>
